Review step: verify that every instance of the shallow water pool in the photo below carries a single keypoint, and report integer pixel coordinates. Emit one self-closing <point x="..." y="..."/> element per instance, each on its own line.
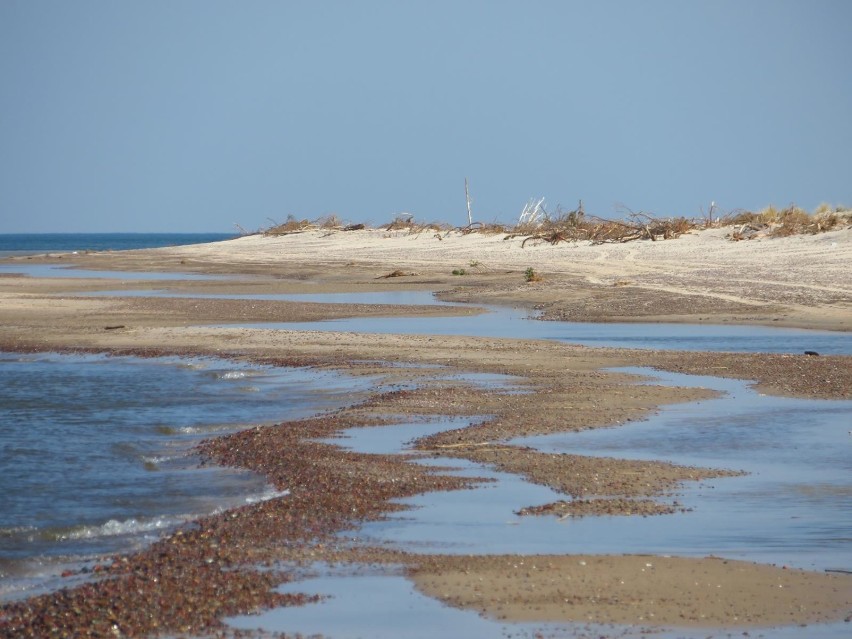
<point x="507" y="322"/>
<point x="793" y="508"/>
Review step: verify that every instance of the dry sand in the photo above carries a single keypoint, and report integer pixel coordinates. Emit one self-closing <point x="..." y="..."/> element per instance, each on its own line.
<point x="798" y="281"/>
<point x="702" y="276"/>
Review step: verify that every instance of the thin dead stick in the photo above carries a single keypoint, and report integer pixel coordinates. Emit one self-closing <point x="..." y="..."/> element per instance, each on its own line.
<point x="467" y="197"/>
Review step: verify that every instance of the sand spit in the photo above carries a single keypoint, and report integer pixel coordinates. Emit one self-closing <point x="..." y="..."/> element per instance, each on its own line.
<point x="704" y="593"/>
<point x="700" y="277"/>
<point x="189" y="580"/>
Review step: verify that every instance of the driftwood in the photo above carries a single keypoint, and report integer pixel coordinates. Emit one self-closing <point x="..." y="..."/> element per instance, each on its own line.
<point x="576" y="227"/>
<point x="396" y="273"/>
<point x="473" y="227"/>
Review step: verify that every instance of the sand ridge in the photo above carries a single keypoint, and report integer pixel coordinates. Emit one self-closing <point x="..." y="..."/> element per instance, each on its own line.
<point x="702" y="276"/>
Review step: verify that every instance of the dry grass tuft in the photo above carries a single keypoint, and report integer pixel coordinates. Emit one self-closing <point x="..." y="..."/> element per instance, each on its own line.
<point x="773" y="222"/>
<point x="330" y="222"/>
<point x="406" y="222"/>
<point x="291" y="225"/>
<point x="493" y="228"/>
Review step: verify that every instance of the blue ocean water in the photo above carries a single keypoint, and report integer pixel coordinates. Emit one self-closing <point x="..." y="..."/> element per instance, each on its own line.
<point x="36" y="243"/>
<point x="96" y="450"/>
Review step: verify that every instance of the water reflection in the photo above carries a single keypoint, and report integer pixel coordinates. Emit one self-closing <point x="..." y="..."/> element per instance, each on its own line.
<point x="376" y="606"/>
<point x="507" y="322"/>
<point x="794" y="507"/>
<point x="514" y="323"/>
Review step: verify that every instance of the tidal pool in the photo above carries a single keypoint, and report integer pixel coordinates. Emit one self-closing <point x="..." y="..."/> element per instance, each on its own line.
<point x="792" y="509"/>
<point x="361" y="606"/>
<point x="508" y="322"/>
<point x="516" y="323"/>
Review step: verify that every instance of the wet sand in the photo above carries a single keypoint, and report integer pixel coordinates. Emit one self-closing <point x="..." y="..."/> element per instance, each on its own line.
<point x="188" y="581"/>
<point x="604" y="589"/>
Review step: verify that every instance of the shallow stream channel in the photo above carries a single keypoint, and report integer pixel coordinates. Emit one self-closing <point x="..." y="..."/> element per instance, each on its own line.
<point x="792" y="508"/>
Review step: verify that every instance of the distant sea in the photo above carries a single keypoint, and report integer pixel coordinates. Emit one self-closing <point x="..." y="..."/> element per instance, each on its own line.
<point x="37" y="243"/>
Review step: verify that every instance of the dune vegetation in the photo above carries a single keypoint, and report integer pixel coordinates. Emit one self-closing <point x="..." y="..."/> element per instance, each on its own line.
<point x="536" y="224"/>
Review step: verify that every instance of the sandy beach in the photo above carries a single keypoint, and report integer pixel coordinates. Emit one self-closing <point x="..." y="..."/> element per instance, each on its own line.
<point x="188" y="581"/>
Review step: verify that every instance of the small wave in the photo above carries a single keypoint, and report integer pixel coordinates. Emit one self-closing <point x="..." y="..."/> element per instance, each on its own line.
<point x="208" y="429"/>
<point x="126" y="449"/>
<point x="266" y="495"/>
<point x="190" y="430"/>
<point x="180" y="430"/>
<point x="114" y="528"/>
<point x="154" y="462"/>
<point x="162" y="429"/>
<point x="191" y="365"/>
<point x="238" y="373"/>
<point x="232" y="375"/>
<point x="16" y="531"/>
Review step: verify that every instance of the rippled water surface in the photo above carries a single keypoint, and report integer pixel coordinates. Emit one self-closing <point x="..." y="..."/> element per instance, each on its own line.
<point x="95" y="449"/>
<point x="40" y="243"/>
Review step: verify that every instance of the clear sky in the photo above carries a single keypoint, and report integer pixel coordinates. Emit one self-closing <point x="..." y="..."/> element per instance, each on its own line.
<point x="196" y="115"/>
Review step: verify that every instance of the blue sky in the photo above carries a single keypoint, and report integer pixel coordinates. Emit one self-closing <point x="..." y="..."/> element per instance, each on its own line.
<point x="199" y="115"/>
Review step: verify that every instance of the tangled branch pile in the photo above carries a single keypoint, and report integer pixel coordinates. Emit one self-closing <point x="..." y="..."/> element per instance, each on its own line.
<point x="575" y="226"/>
<point x="406" y="222"/>
<point x="536" y="225"/>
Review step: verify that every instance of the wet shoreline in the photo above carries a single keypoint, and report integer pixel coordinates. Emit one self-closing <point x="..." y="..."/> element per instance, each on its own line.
<point x="209" y="567"/>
